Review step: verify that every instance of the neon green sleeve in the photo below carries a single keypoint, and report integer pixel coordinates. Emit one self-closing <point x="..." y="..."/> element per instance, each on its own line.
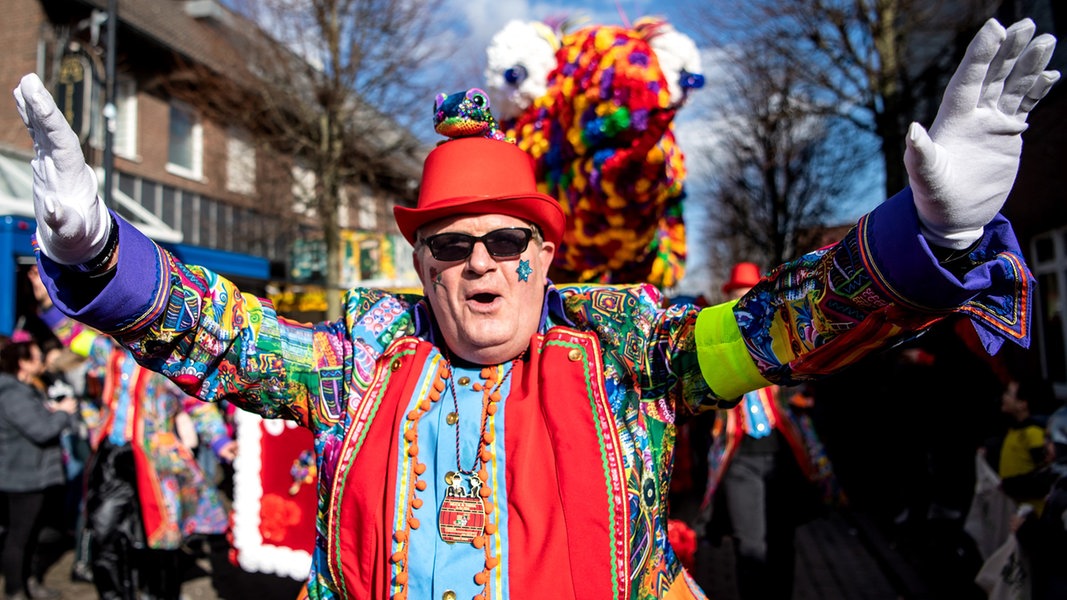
<point x="722" y="354"/>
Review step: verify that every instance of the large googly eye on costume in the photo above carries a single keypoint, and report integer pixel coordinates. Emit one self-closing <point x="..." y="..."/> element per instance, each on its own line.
<point x="478" y="97"/>
<point x="691" y="81"/>
<point x="515" y="75"/>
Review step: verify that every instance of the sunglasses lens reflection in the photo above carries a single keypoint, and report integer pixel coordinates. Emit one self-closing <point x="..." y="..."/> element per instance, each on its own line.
<point x="500" y="243"/>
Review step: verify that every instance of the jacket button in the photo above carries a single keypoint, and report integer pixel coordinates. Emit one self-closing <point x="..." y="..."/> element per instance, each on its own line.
<point x="575" y="354"/>
<point x="448" y="595"/>
<point x="395" y="365"/>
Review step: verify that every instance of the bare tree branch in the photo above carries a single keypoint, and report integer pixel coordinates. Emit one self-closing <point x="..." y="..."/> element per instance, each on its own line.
<point x="335" y="85"/>
<point x="779" y="162"/>
<point x="873" y="62"/>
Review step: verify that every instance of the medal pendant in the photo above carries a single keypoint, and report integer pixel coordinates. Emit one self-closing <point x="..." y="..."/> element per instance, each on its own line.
<point x="462" y="518"/>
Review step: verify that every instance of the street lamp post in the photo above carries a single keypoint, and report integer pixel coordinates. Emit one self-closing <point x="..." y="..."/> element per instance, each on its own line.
<point x="110" y="110"/>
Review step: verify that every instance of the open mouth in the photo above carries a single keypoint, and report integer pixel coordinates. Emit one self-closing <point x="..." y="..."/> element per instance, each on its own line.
<point x="484" y="298"/>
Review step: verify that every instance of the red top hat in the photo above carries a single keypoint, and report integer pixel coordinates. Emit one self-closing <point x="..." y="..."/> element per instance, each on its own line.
<point x="480" y="176"/>
<point x="744" y="274"/>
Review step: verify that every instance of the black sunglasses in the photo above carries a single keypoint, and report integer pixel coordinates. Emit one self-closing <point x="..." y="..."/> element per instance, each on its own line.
<point x="500" y="243"/>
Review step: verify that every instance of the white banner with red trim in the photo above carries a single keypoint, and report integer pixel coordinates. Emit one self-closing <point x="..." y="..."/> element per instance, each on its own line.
<point x="274" y="496"/>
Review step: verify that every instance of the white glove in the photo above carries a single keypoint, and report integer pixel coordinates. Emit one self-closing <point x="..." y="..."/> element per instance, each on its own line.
<point x="72" y="222"/>
<point x="961" y="172"/>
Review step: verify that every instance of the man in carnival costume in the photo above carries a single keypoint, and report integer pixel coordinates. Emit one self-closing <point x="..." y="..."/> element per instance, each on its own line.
<point x="501" y="435"/>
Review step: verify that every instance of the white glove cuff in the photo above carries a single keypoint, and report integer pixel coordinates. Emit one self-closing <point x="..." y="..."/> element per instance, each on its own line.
<point x="954" y="240"/>
<point x="91" y="230"/>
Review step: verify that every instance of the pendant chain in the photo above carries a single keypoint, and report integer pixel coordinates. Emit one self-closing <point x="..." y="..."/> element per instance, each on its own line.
<point x="480" y="497"/>
<point x="492" y="396"/>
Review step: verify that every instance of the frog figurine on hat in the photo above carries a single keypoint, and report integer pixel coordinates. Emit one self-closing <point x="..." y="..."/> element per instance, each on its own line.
<point x="478" y="173"/>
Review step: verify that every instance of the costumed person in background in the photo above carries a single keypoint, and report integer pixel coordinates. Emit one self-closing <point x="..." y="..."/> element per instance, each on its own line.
<point x="595" y="110"/>
<point x="1024" y="457"/>
<point x="145" y="493"/>
<point x="31" y="462"/>
<point x="768" y="471"/>
<point x="1043" y="538"/>
<point x="500" y="434"/>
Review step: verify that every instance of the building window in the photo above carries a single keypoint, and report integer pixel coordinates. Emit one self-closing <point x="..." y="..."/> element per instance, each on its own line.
<point x="240" y="163"/>
<point x="185" y="142"/>
<point x="1049" y="252"/>
<point x="368" y="213"/>
<point x="303" y="190"/>
<point x="124" y="143"/>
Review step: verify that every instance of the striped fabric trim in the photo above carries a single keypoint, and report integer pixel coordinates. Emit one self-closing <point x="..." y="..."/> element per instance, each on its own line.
<point x="157" y="304"/>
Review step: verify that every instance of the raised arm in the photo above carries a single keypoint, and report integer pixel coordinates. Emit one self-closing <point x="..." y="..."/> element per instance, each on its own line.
<point x="937" y="248"/>
<point x="181" y="320"/>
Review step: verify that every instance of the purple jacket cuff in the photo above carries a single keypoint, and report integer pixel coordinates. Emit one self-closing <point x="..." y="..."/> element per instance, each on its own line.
<point x="52" y="316"/>
<point x="134" y="293"/>
<point x="996" y="293"/>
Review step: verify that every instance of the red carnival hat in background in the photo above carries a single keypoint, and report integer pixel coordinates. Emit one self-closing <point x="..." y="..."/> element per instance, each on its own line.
<point x="742" y="275"/>
<point x="480" y="176"/>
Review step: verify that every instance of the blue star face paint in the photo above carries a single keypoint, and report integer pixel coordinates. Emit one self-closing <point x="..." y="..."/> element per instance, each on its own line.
<point x="524" y="270"/>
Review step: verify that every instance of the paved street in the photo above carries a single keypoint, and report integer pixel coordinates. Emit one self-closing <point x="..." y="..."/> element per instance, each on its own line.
<point x="833" y="563"/>
<point x="839" y="558"/>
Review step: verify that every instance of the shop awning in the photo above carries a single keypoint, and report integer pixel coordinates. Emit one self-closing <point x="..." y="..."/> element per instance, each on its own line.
<point x="228" y="264"/>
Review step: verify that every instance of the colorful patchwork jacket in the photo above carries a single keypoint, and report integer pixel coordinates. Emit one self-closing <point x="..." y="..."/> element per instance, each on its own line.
<point x="588" y="419"/>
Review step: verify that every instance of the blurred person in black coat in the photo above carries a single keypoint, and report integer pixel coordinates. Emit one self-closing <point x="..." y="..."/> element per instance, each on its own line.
<point x="31" y="460"/>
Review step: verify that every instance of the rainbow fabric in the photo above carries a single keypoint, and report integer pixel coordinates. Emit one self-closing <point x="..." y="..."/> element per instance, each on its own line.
<point x="603" y="143"/>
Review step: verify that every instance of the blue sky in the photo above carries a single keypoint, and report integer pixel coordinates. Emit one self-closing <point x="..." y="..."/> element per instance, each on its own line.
<point x="486" y="17"/>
